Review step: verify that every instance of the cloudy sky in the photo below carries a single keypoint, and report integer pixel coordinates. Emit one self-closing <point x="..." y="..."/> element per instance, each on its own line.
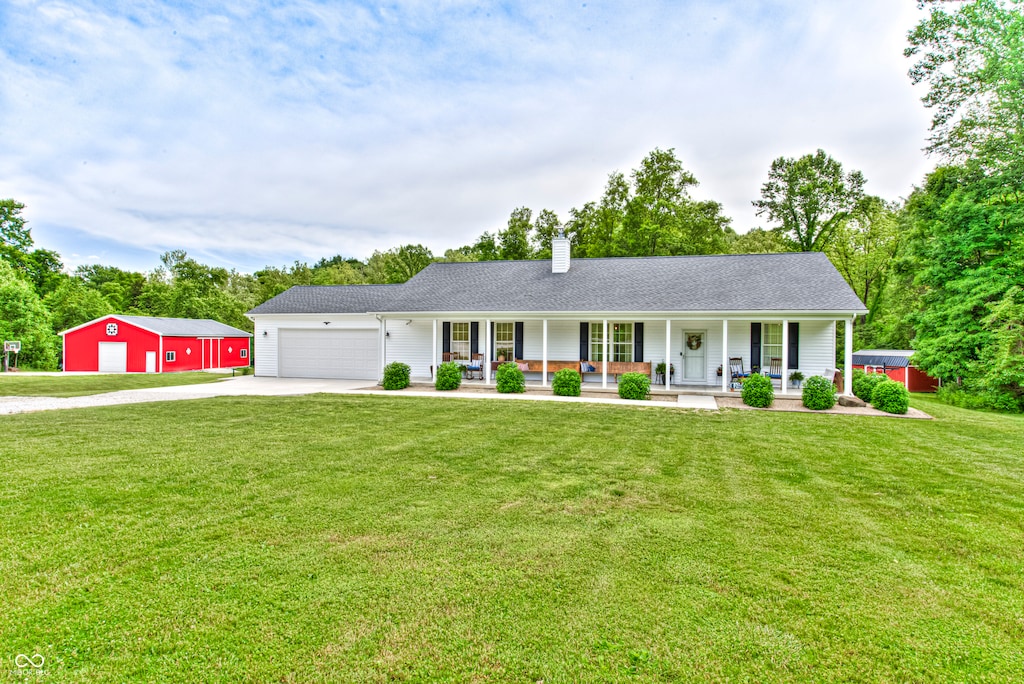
<point x="256" y="133"/>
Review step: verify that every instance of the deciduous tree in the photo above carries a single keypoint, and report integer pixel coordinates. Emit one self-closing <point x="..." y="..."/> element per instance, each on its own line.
<point x="808" y="197"/>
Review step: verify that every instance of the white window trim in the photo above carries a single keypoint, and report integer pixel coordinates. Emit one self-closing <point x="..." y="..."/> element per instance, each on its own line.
<point x="170" y="356"/>
<point x="505" y="345"/>
<point x="766" y="358"/>
<point x="458" y="355"/>
<point x="596" y="341"/>
<point x="243" y="353"/>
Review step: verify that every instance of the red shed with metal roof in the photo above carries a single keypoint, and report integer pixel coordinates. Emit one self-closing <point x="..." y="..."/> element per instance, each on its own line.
<point x="896" y="364"/>
<point x="146" y="344"/>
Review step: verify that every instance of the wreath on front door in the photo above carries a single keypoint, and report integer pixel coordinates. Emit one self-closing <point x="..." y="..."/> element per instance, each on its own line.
<point x="693" y="342"/>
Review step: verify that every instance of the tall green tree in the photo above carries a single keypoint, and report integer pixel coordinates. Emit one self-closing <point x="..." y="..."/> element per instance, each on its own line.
<point x="24" y="318"/>
<point x="972" y="59"/>
<point x="514" y="241"/>
<point x="545" y="228"/>
<point x="74" y="303"/>
<point x="863" y="249"/>
<point x="808" y="197"/>
<point x="15" y="237"/>
<point x="654" y="213"/>
<point x="399" y="264"/>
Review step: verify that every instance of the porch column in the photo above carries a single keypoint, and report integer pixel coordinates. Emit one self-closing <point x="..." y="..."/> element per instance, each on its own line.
<point x="487" y="352"/>
<point x="604" y="355"/>
<point x="848" y="360"/>
<point x="544" y="356"/>
<point x="433" y="356"/>
<point x="668" y="353"/>
<point x="785" y="355"/>
<point x="725" y="355"/>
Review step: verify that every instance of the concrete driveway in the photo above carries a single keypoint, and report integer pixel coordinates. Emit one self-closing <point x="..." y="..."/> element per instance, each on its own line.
<point x="229" y="387"/>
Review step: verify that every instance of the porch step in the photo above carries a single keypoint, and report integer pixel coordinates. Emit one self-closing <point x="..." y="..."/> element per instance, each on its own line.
<point x="702" y="402"/>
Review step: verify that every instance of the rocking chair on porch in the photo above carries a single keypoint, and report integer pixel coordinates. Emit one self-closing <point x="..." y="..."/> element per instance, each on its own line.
<point x="736" y="369"/>
<point x="775" y="369"/>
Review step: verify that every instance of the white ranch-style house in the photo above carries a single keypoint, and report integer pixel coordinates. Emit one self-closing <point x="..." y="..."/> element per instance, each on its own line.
<point x="702" y="314"/>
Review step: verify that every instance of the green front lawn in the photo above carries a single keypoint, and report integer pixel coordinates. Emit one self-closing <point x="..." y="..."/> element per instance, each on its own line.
<point x="22" y="385"/>
<point x="340" y="538"/>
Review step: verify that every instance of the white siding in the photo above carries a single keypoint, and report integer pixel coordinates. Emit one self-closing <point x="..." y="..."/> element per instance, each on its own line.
<point x="411" y="343"/>
<point x="817" y="347"/>
<point x="265" y="347"/>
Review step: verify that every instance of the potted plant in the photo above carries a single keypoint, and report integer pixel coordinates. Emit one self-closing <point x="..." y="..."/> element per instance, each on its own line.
<point x="660" y="369"/>
<point x="795" y="378"/>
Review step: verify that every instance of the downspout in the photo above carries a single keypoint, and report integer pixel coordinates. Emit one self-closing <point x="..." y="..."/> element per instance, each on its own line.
<point x="384" y="346"/>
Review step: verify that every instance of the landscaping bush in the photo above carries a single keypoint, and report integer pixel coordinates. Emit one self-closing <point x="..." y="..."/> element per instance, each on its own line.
<point x="819" y="393"/>
<point x="891" y="397"/>
<point x="634" y="386"/>
<point x="758" y="391"/>
<point x="864" y="383"/>
<point x="510" y="379"/>
<point x="396" y="376"/>
<point x="449" y="376"/>
<point x="566" y="383"/>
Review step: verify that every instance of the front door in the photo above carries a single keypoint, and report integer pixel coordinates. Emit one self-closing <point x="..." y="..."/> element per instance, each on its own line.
<point x="694" y="364"/>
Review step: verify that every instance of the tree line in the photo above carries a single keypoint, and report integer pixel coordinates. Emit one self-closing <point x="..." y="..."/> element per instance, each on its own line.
<point x="941" y="271"/>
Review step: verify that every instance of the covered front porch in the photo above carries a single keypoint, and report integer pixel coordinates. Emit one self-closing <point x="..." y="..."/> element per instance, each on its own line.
<point x="698" y="351"/>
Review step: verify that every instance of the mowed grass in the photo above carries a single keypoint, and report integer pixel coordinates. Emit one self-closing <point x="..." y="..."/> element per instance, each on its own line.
<point x="28" y="385"/>
<point x="367" y="539"/>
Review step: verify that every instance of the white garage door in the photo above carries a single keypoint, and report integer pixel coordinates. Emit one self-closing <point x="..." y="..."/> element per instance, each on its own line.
<point x="113" y="357"/>
<point x="350" y="354"/>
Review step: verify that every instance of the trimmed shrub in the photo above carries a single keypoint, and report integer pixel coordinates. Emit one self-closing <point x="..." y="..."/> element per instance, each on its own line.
<point x="864" y="383"/>
<point x="634" y="386"/>
<point x="449" y="376"/>
<point x="510" y="379"/>
<point x="566" y="383"/>
<point x="396" y="376"/>
<point x="891" y="397"/>
<point x="819" y="393"/>
<point x="758" y="391"/>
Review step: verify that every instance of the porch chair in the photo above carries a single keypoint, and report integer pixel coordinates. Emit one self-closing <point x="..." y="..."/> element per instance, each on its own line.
<point x="736" y="368"/>
<point x="775" y="369"/>
<point x="475" y="369"/>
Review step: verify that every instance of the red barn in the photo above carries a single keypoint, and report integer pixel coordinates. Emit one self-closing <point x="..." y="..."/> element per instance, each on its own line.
<point x="142" y="344"/>
<point x="896" y="364"/>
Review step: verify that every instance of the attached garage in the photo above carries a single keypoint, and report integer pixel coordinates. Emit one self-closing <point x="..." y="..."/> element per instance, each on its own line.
<point x="348" y="354"/>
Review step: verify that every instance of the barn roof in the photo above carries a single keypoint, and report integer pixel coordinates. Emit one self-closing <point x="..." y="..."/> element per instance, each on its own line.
<point x="891" y="358"/>
<point x="174" y="327"/>
<point x="804" y="281"/>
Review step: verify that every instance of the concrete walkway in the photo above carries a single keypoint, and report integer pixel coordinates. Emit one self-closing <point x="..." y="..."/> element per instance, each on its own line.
<point x="250" y="385"/>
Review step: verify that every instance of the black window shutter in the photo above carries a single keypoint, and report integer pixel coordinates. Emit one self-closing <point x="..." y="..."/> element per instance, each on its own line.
<point x="446" y="337"/>
<point x="519" y="341"/>
<point x="474" y="338"/>
<point x="584" y="341"/>
<point x="794" y="344"/>
<point x="638" y="342"/>
<point x="755" y="345"/>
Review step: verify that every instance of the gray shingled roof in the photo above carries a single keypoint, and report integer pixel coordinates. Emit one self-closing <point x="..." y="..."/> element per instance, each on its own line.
<point x="185" y="327"/>
<point x="316" y="299"/>
<point x="745" y="282"/>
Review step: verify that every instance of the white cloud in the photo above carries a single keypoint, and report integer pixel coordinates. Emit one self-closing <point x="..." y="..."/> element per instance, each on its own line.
<point x="261" y="136"/>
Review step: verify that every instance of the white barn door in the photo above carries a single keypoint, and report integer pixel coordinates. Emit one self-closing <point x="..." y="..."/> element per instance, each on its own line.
<point x="113" y="357"/>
